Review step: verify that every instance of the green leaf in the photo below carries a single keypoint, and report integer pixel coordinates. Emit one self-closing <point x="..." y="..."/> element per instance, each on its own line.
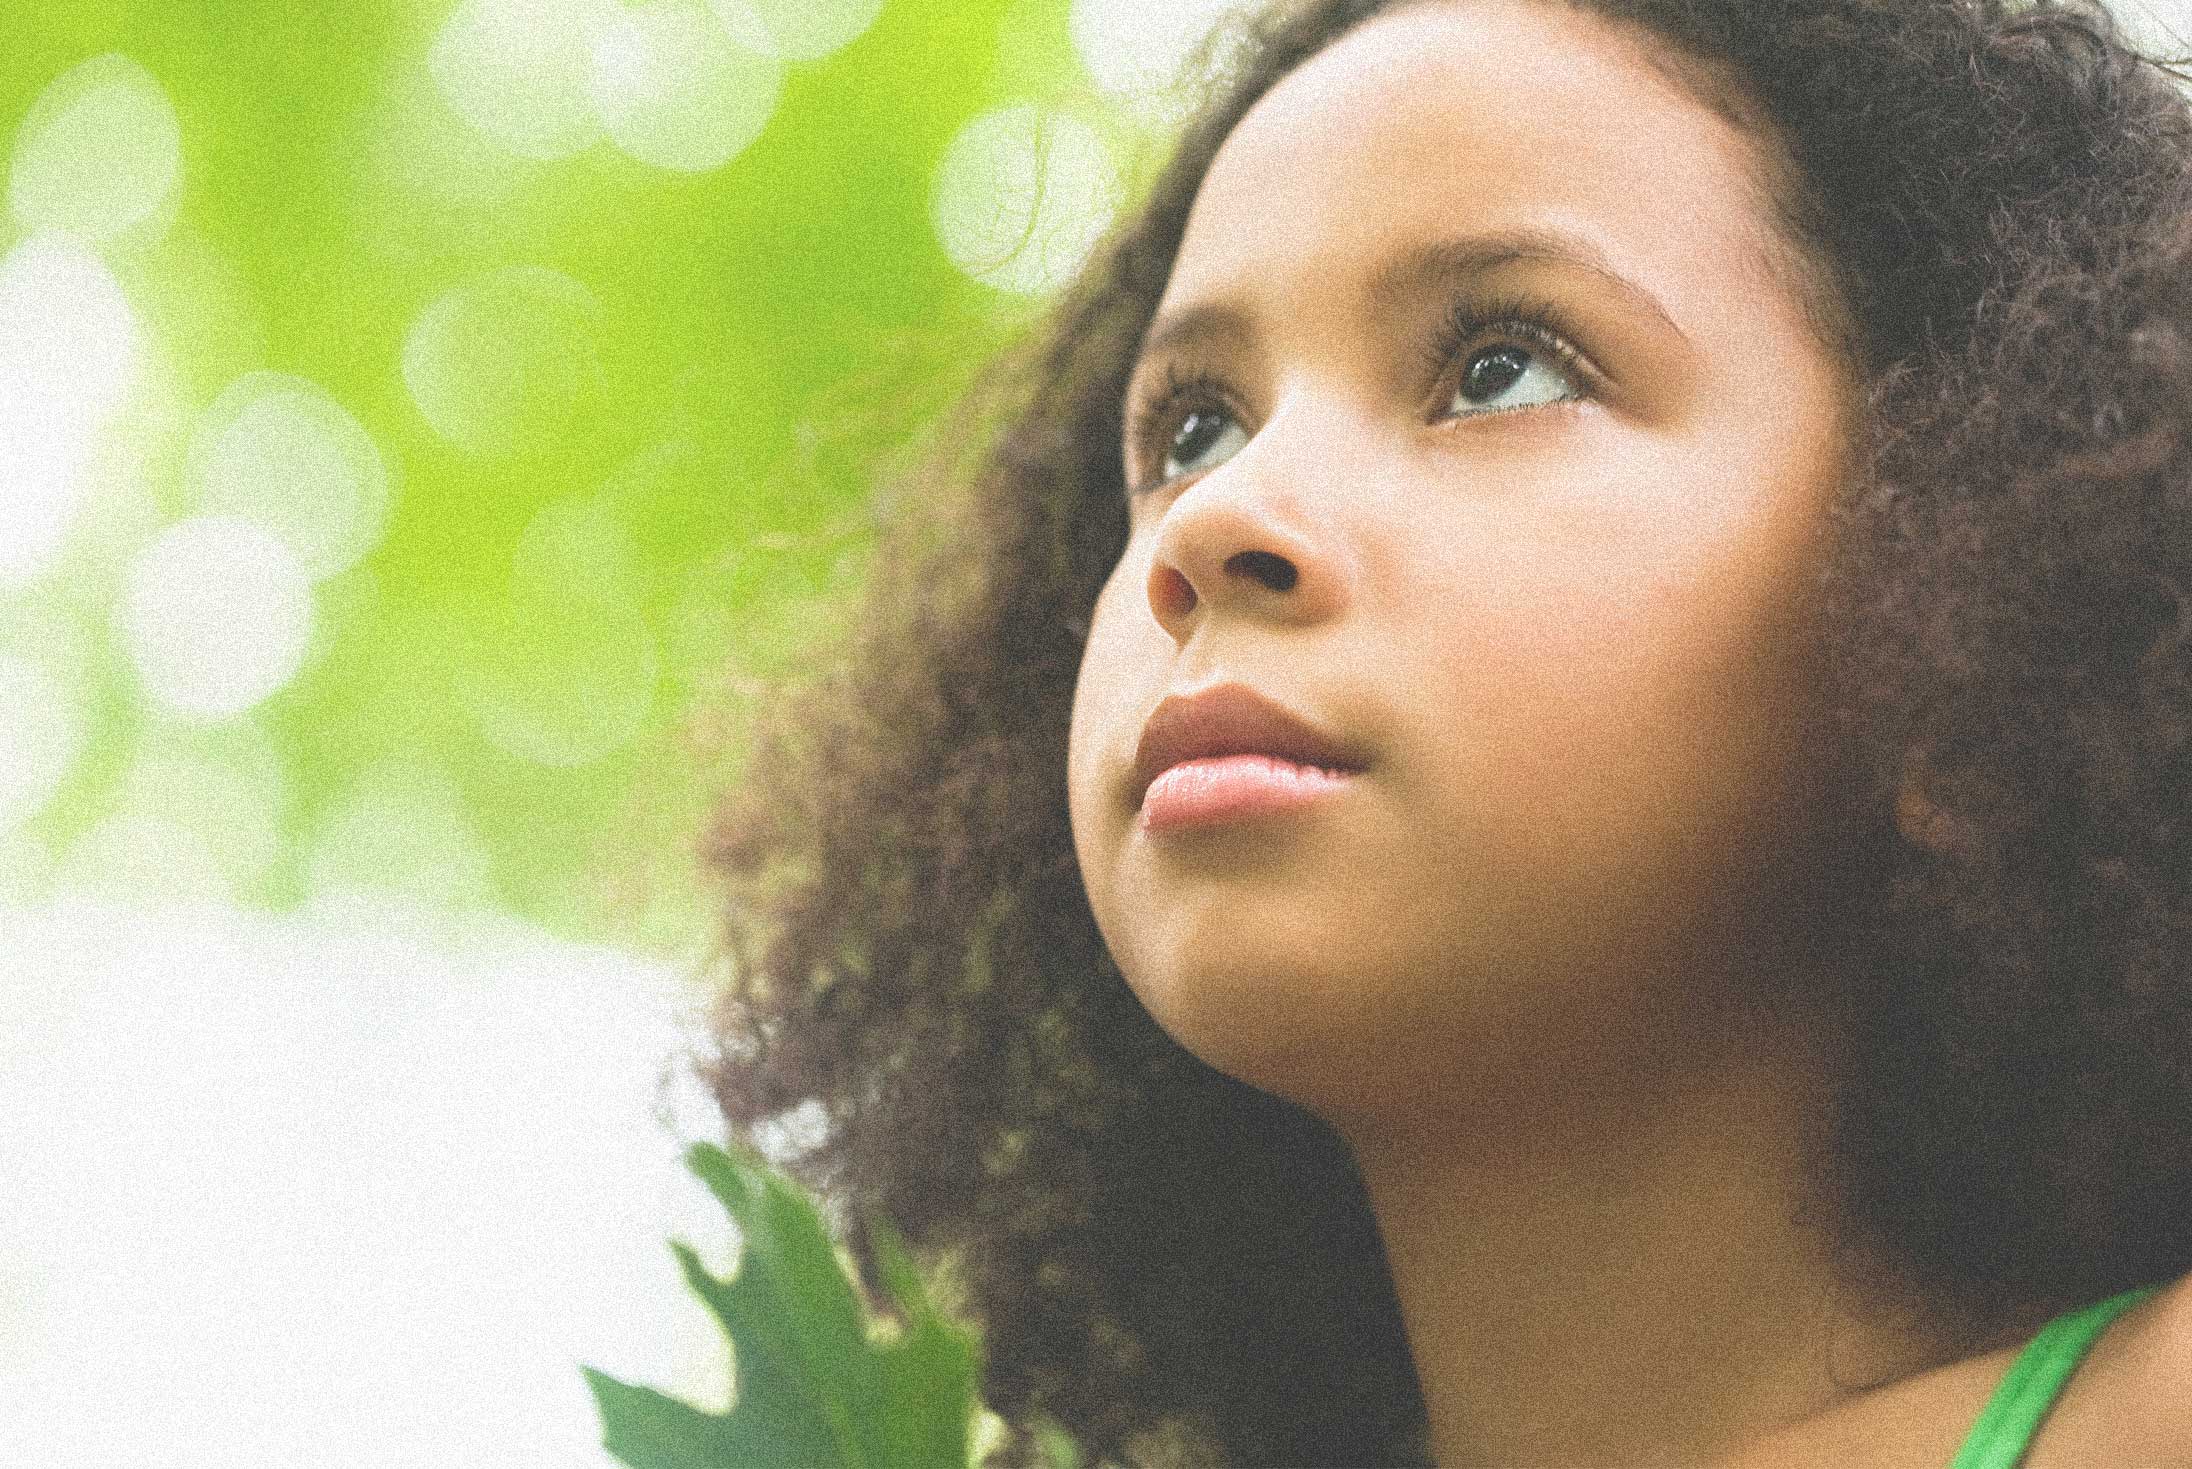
<point x="649" y="1431"/>
<point x="925" y="1417"/>
<point x="810" y="1389"/>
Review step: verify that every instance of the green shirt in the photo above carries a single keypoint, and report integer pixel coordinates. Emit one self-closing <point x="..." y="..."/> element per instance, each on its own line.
<point x="2006" y="1424"/>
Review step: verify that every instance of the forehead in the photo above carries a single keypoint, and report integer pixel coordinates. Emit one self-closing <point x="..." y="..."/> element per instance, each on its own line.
<point x="1462" y="116"/>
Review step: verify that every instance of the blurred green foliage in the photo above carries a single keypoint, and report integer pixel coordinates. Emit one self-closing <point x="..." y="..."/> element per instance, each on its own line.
<point x="635" y="481"/>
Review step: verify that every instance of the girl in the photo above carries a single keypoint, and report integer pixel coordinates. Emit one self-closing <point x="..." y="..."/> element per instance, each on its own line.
<point x="1518" y="795"/>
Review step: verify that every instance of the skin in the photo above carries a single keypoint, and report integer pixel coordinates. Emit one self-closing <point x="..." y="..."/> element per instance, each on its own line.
<point x="1525" y="963"/>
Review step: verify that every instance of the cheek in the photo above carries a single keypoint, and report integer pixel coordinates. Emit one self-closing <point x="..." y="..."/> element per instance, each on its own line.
<point x="1082" y="737"/>
<point x="1621" y="739"/>
<point x="1093" y="799"/>
<point x="1102" y="718"/>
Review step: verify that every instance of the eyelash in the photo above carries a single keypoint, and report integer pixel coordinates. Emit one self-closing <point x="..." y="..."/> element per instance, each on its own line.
<point x="1525" y="319"/>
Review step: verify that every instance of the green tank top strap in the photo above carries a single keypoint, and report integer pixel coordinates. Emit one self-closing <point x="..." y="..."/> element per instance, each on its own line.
<point x="2013" y="1415"/>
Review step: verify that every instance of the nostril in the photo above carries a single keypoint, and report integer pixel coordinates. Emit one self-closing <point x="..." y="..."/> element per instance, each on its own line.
<point x="1172" y="587"/>
<point x="1275" y="572"/>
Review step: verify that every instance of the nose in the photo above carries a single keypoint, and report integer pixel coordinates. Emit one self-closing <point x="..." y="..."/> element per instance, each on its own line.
<point x="1230" y="544"/>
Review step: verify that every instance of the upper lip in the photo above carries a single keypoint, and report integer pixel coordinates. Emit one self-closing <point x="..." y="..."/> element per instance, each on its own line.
<point x="1233" y="719"/>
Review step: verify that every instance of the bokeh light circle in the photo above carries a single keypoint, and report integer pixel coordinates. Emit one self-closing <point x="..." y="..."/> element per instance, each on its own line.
<point x="565" y="668"/>
<point x="41" y="733"/>
<point x="676" y="91"/>
<point x="423" y="152"/>
<point x="400" y="830"/>
<point x="1021" y="197"/>
<point x="1138" y="52"/>
<point x="516" y="70"/>
<point x="70" y="354"/>
<point x="279" y="450"/>
<point x="797" y="30"/>
<point x="216" y="615"/>
<point x="225" y="786"/>
<point x="99" y="153"/>
<point x="498" y="365"/>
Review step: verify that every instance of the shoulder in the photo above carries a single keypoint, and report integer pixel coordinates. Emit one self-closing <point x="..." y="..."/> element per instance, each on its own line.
<point x="2131" y="1400"/>
<point x="2166" y="1361"/>
<point x="2170" y="1321"/>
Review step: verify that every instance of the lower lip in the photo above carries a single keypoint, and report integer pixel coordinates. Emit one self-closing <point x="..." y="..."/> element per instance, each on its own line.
<point x="1233" y="788"/>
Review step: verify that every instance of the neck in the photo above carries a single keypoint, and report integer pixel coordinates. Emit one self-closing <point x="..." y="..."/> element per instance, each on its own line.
<point x="1602" y="1278"/>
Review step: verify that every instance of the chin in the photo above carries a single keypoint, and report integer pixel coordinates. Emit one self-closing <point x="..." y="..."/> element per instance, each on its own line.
<point x="1272" y="1029"/>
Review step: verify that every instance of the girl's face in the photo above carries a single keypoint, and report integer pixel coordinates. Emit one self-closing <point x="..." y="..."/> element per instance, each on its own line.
<point x="1555" y="585"/>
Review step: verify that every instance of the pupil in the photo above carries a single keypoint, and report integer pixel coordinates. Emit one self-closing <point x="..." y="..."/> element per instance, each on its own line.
<point x="1184" y="442"/>
<point x="1494" y="371"/>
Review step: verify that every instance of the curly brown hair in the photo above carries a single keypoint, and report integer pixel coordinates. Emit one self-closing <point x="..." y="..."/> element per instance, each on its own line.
<point x="1988" y="210"/>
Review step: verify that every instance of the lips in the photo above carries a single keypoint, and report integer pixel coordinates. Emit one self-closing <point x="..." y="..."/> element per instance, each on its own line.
<point x="1233" y="719"/>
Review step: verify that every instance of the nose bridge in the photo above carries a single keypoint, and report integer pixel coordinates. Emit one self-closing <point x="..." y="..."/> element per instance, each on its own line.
<point x="1263" y="531"/>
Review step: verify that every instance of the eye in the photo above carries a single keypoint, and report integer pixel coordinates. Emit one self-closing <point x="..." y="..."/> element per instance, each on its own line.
<point x="1525" y="349"/>
<point x="1523" y="360"/>
<point x="1178" y="422"/>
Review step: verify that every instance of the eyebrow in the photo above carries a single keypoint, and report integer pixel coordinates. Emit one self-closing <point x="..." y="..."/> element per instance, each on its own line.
<point x="1427" y="264"/>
